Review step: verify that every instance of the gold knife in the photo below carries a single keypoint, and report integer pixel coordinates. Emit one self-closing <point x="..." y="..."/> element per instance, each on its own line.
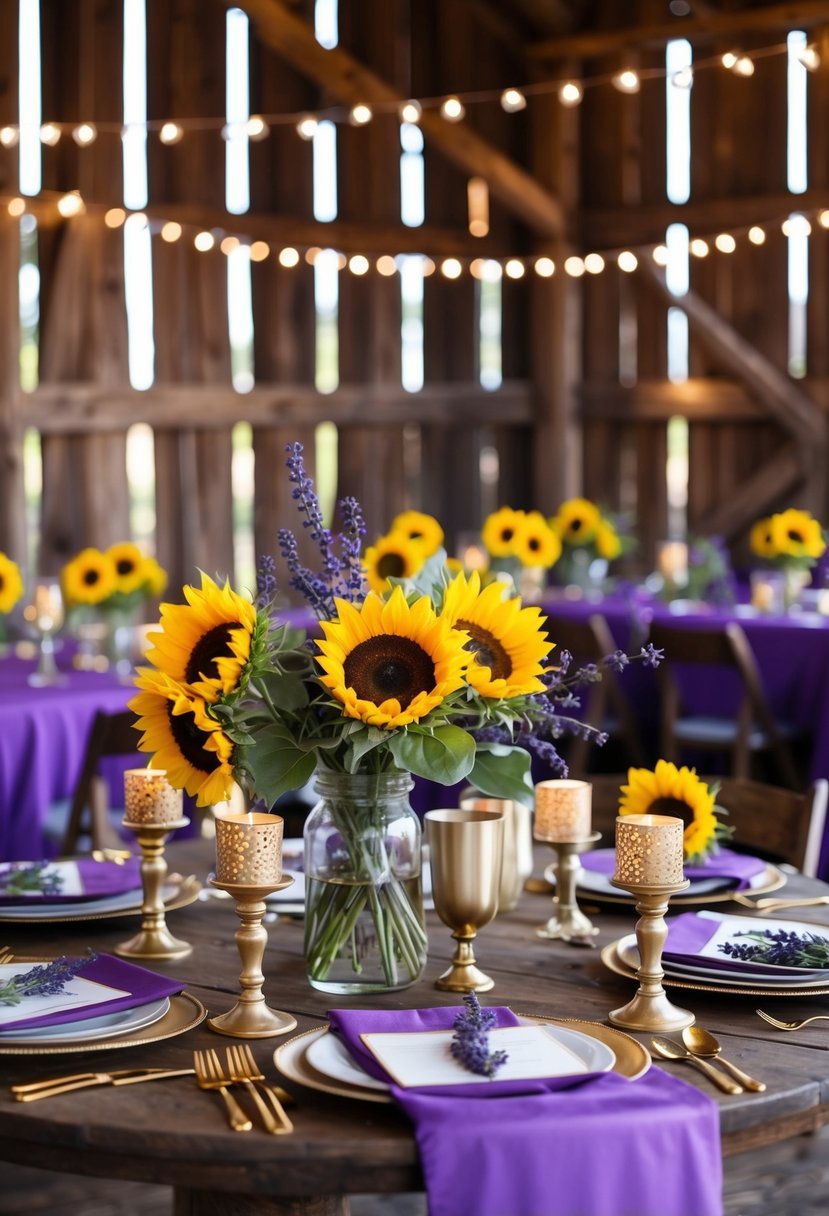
<point x="35" y="1090"/>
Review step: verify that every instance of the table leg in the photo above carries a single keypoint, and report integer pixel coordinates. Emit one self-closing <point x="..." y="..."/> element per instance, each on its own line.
<point x="188" y="1202"/>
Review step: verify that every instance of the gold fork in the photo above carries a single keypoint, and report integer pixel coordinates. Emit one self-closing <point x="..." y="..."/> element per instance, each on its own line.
<point x="818" y="1017"/>
<point x="6" y="955"/>
<point x="243" y="1068"/>
<point x="210" y="1076"/>
<point x="778" y="905"/>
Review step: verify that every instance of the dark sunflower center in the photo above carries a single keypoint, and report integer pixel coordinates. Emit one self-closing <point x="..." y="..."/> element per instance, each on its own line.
<point x="2" y="582"/>
<point x="795" y="536"/>
<point x="415" y="535"/>
<point x="125" y="566"/>
<point x="391" y="565"/>
<point x="534" y="544"/>
<point x="213" y="645"/>
<point x="389" y="666"/>
<point x="487" y="650"/>
<point x="91" y="577"/>
<point x="189" y="740"/>
<point x="507" y="534"/>
<point x="672" y="806"/>
<point x="576" y="525"/>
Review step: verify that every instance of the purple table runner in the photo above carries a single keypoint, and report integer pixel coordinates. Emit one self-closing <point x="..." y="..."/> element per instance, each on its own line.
<point x="591" y="1145"/>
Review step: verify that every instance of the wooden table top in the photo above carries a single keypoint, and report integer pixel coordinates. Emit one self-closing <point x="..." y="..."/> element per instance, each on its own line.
<point x="171" y="1132"/>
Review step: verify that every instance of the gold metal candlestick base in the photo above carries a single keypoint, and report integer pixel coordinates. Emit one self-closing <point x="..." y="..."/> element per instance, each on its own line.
<point x="568" y="923"/>
<point x="463" y="975"/>
<point x="250" y="1017"/>
<point x="650" y="1009"/>
<point x="154" y="939"/>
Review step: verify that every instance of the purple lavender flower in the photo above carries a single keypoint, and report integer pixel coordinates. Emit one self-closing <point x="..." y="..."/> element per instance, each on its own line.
<point x="46" y="980"/>
<point x="470" y="1042"/>
<point x="783" y="947"/>
<point x="265" y="580"/>
<point x="30" y="876"/>
<point x="650" y="656"/>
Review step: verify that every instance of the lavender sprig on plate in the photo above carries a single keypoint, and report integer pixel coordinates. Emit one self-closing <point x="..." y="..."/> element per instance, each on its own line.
<point x="470" y="1042"/>
<point x="782" y="947"/>
<point x="46" y="980"/>
<point x="30" y="876"/>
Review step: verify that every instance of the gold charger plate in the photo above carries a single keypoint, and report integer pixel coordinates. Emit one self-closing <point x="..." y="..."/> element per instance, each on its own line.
<point x="185" y="891"/>
<point x="185" y="1012"/>
<point x="773" y="880"/>
<point x="611" y="960"/>
<point x="632" y="1059"/>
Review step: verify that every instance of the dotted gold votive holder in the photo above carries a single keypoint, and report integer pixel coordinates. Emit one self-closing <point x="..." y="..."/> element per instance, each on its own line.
<point x="563" y="809"/>
<point x="649" y="855"/>
<point x="149" y="798"/>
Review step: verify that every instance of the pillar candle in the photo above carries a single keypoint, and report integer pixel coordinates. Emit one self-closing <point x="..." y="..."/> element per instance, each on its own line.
<point x="149" y="797"/>
<point x="649" y="851"/>
<point x="562" y="810"/>
<point x="249" y="848"/>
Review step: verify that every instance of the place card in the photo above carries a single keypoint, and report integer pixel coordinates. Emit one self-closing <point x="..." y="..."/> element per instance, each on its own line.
<point x="424" y="1058"/>
<point x="77" y="993"/>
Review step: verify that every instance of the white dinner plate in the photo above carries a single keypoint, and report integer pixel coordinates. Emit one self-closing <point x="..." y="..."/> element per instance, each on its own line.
<point x="176" y="893"/>
<point x="104" y="1026"/>
<point x="329" y="1055"/>
<point x="600" y="884"/>
<point x="628" y="953"/>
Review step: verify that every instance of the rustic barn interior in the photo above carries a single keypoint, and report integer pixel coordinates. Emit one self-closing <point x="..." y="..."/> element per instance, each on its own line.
<point x="468" y="252"/>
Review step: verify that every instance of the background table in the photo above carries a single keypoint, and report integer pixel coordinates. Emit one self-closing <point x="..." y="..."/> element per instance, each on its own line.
<point x="43" y="733"/>
<point x="169" y="1132"/>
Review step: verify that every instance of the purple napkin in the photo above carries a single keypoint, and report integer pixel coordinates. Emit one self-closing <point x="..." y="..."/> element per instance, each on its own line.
<point x="142" y="987"/>
<point x="532" y="1147"/>
<point x="724" y="864"/>
<point x="688" y="933"/>
<point x="98" y="878"/>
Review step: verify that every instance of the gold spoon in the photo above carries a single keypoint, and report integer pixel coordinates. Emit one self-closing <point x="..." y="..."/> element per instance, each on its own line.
<point x="701" y="1043"/>
<point x="675" y="1051"/>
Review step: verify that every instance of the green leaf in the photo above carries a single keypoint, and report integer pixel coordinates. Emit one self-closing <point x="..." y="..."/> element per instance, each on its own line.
<point x="365" y="741"/>
<point x="503" y="772"/>
<point x="445" y="754"/>
<point x="276" y="763"/>
<point x="286" y="692"/>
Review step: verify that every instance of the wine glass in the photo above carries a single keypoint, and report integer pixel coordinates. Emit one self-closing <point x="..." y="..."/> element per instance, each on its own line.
<point x="45" y="613"/>
<point x="466" y="852"/>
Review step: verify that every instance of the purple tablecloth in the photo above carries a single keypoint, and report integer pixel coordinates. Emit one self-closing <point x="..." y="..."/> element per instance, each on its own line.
<point x="43" y="733"/>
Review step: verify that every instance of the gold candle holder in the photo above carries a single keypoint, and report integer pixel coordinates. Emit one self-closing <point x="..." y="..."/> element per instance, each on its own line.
<point x="568" y="923"/>
<point x="154" y="940"/>
<point x="649" y="865"/>
<point x="250" y="1017"/>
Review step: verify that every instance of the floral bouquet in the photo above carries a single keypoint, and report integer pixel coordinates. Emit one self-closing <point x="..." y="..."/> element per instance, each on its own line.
<point x="449" y="685"/>
<point x="11" y="590"/>
<point x="588" y="536"/>
<point x="118" y="578"/>
<point x="709" y="577"/>
<point x="413" y="540"/>
<point x="520" y="546"/>
<point x="790" y="540"/>
<point x="668" y="790"/>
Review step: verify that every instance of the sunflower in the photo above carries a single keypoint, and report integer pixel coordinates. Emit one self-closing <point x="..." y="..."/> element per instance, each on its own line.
<point x="499" y="531"/>
<point x="797" y="534"/>
<point x="388" y="662"/>
<point x="536" y="544"/>
<point x="419" y="527"/>
<point x="608" y="541"/>
<point x="506" y="640"/>
<point x="185" y="741"/>
<point x="206" y="642"/>
<point x="761" y="538"/>
<point x="392" y="556"/>
<point x="11" y="584"/>
<point x="576" y="521"/>
<point x="155" y="577"/>
<point x="669" y="790"/>
<point x="129" y="566"/>
<point x="89" y="578"/>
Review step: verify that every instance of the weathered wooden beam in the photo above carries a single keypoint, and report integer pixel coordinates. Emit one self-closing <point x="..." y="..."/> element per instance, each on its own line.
<point x="620" y="227"/>
<point x="796" y="412"/>
<point x="712" y="24"/>
<point x="701" y="399"/>
<point x="345" y="78"/>
<point x="78" y="408"/>
<point x="766" y="486"/>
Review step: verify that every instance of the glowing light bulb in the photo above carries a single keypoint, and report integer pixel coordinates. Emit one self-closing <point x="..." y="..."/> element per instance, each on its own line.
<point x="257" y="128"/>
<point x="204" y="241"/>
<point x="16" y="207"/>
<point x="725" y="242"/>
<point x="171" y="232"/>
<point x="452" y="109"/>
<point x="571" y="93"/>
<point x="660" y="255"/>
<point x="171" y="133"/>
<point x="288" y="257"/>
<point x="757" y="235"/>
<point x="627" y="261"/>
<point x="115" y="217"/>
<point x="360" y="115"/>
<point x="450" y="268"/>
<point x="683" y="78"/>
<point x="699" y="248"/>
<point x="513" y="100"/>
<point x="85" y="134"/>
<point x="50" y="134"/>
<point x="259" y="250"/>
<point x="626" y="81"/>
<point x="386" y="265"/>
<point x="229" y="245"/>
<point x="574" y="267"/>
<point x="545" y="268"/>
<point x="307" y="127"/>
<point x="410" y="111"/>
<point x="594" y="263"/>
<point x="515" y="269"/>
<point x="744" y="66"/>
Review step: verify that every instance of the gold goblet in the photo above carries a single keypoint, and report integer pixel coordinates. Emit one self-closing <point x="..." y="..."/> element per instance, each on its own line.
<point x="466" y="851"/>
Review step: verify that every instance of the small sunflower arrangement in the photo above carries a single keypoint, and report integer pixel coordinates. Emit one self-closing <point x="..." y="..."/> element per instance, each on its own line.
<point x="11" y="584"/>
<point x="119" y="578"/>
<point x="668" y="790"/>
<point x="581" y="524"/>
<point x="791" y="540"/>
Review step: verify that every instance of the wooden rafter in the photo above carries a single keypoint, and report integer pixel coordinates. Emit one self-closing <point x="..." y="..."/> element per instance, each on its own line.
<point x="345" y="78"/>
<point x="712" y="24"/>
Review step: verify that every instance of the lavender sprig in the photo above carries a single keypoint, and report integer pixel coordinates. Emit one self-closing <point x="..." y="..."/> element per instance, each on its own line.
<point x="780" y="946"/>
<point x="46" y="980"/>
<point x="31" y="876"/>
<point x="470" y="1042"/>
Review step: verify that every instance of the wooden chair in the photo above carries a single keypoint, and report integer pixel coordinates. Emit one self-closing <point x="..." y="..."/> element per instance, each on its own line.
<point x="110" y="735"/>
<point x="604" y="704"/>
<point x="752" y="731"/>
<point x="777" y="824"/>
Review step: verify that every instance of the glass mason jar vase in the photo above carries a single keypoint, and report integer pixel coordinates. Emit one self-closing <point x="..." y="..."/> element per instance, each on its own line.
<point x="364" y="925"/>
